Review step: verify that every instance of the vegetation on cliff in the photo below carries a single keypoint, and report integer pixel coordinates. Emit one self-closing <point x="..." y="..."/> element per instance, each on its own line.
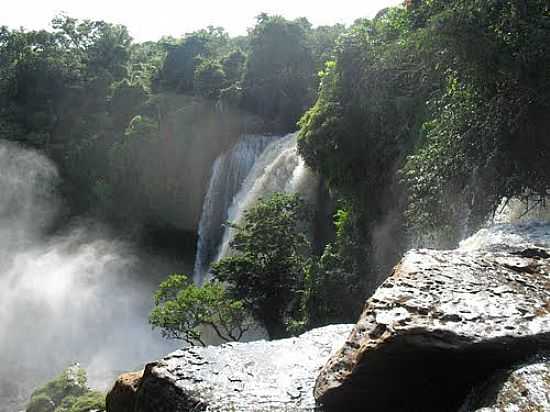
<point x="121" y="118"/>
<point x="66" y="393"/>
<point x="427" y="117"/>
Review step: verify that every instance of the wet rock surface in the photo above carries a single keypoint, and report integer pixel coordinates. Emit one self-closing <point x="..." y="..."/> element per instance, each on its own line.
<point x="256" y="376"/>
<point x="523" y="388"/>
<point x="443" y="322"/>
<point x="122" y="397"/>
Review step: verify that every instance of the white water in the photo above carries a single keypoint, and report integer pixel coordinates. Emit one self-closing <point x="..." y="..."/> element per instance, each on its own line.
<point x="516" y="210"/>
<point x="515" y="224"/>
<point x="510" y="235"/>
<point x="278" y="169"/>
<point x="228" y="173"/>
<point x="77" y="296"/>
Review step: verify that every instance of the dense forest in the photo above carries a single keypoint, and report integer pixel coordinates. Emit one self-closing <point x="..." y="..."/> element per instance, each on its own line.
<point x="419" y="121"/>
<point x="118" y="117"/>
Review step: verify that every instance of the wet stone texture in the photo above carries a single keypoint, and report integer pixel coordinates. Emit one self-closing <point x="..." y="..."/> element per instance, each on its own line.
<point x="444" y="322"/>
<point x="523" y="388"/>
<point x="256" y="376"/>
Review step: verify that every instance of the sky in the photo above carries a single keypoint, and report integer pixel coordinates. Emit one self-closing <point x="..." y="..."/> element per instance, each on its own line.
<point x="151" y="19"/>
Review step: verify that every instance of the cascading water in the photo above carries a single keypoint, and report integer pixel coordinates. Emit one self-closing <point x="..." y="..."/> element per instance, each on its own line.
<point x="78" y="296"/>
<point x="518" y="210"/>
<point x="516" y="222"/>
<point x="228" y="174"/>
<point x="279" y="169"/>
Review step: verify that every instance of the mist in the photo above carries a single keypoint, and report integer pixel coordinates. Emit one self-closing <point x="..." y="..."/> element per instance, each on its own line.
<point x="78" y="295"/>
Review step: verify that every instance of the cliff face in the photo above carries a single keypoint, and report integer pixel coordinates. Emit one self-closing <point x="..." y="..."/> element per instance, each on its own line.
<point x="429" y="339"/>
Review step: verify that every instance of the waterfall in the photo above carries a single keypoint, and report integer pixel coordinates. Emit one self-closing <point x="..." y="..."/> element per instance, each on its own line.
<point x="516" y="222"/>
<point x="278" y="169"/>
<point x="228" y="174"/>
<point x="519" y="210"/>
<point x="256" y="167"/>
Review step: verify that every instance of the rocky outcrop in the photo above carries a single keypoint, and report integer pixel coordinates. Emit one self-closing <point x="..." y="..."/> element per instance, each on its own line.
<point x="445" y="332"/>
<point x="443" y="322"/>
<point x="122" y="397"/>
<point x="257" y="376"/>
<point x="522" y="388"/>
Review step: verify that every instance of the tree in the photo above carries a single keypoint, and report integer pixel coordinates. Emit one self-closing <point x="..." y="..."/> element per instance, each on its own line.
<point x="365" y="121"/>
<point x="324" y="40"/>
<point x="126" y="100"/>
<point x="209" y="79"/>
<point x="336" y="283"/>
<point x="486" y="137"/>
<point x="182" y="59"/>
<point x="233" y="66"/>
<point x="183" y="310"/>
<point x="368" y="111"/>
<point x="68" y="392"/>
<point x="279" y="83"/>
<point x="266" y="273"/>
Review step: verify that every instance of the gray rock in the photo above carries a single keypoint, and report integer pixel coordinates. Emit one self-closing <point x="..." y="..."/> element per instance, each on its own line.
<point x="257" y="376"/>
<point x="444" y="321"/>
<point x="523" y="388"/>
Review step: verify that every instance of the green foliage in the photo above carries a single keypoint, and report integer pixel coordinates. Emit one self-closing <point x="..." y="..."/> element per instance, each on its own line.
<point x="232" y="96"/>
<point x="209" y="79"/>
<point x="323" y="41"/>
<point x="337" y="281"/>
<point x="367" y="118"/>
<point x="145" y="61"/>
<point x="126" y="100"/>
<point x="233" y="66"/>
<point x="487" y="136"/>
<point x="366" y="115"/>
<point x="267" y="270"/>
<point x="444" y="99"/>
<point x="141" y="126"/>
<point x="116" y="116"/>
<point x="183" y="58"/>
<point x="66" y="393"/>
<point x="92" y="400"/>
<point x="280" y="73"/>
<point x="41" y="403"/>
<point x="182" y="310"/>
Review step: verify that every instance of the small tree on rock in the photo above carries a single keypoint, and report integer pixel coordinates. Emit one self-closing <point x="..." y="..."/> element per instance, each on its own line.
<point x="183" y="311"/>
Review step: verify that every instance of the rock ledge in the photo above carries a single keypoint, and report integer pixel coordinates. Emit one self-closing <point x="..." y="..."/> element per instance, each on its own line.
<point x="443" y="322"/>
<point x="258" y="376"/>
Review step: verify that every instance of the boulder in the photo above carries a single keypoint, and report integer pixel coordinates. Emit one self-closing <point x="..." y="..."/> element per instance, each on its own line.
<point x="122" y="397"/>
<point x="257" y="376"/>
<point x="443" y="322"/>
<point x="523" y="388"/>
